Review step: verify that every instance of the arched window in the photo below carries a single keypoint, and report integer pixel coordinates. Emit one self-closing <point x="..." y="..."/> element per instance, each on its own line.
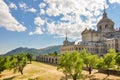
<point x="106" y="26"/>
<point x="76" y="48"/>
<point x="88" y="49"/>
<point x="112" y="26"/>
<point x="100" y="27"/>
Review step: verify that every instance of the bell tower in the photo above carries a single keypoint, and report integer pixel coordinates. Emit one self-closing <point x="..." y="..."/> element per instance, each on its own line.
<point x="66" y="42"/>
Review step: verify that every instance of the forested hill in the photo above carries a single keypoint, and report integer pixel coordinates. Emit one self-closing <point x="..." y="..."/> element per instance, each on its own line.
<point x="34" y="51"/>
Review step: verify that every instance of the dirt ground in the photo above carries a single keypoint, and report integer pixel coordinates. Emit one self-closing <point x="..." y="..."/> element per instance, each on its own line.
<point x="41" y="71"/>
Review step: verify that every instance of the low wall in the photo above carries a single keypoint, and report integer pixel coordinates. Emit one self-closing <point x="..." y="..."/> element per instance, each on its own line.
<point x="112" y="72"/>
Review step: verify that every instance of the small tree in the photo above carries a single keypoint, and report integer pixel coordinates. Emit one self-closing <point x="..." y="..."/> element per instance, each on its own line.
<point x="100" y="63"/>
<point x="117" y="60"/>
<point x="5" y="63"/>
<point x="71" y="64"/>
<point x="53" y="54"/>
<point x="89" y="60"/>
<point x="30" y="57"/>
<point x="109" y="60"/>
<point x="8" y="63"/>
<point x="2" y="62"/>
<point x="63" y="63"/>
<point x="20" y="63"/>
<point x="16" y="62"/>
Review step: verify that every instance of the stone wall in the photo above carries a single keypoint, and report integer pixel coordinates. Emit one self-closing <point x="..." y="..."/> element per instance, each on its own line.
<point x="112" y="72"/>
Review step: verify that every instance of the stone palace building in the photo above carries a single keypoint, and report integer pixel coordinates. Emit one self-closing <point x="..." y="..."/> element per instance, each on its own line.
<point x="96" y="41"/>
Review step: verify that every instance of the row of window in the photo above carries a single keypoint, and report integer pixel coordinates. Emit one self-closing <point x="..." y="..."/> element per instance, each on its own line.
<point x="112" y="45"/>
<point x="79" y="49"/>
<point x="100" y="27"/>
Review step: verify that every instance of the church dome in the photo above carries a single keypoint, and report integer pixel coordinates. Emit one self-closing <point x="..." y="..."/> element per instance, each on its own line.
<point x="105" y="19"/>
<point x="105" y="24"/>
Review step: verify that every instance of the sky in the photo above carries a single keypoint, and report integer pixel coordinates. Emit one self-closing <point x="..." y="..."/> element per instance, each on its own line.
<point x="43" y="23"/>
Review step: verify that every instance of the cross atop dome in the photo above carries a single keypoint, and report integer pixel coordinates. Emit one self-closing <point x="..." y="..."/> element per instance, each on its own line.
<point x="66" y="35"/>
<point x="104" y="14"/>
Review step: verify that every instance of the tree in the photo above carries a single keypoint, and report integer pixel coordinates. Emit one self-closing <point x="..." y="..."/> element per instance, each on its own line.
<point x="100" y="63"/>
<point x="109" y="60"/>
<point x="8" y="63"/>
<point x="71" y="64"/>
<point x="2" y="62"/>
<point x="30" y="57"/>
<point x="89" y="60"/>
<point x="20" y="63"/>
<point x="5" y="63"/>
<point x="117" y="60"/>
<point x="53" y="54"/>
<point x="63" y="63"/>
<point x="16" y="62"/>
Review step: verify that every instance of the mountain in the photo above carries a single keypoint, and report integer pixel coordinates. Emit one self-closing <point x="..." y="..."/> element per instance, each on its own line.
<point x="34" y="51"/>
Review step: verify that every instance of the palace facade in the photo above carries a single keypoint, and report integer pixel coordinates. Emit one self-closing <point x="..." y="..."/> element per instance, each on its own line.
<point x="96" y="41"/>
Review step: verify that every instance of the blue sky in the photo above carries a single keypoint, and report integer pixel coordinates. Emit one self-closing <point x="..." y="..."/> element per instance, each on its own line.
<point x="42" y="23"/>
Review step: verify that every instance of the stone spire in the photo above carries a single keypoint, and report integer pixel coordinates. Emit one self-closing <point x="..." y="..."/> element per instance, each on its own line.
<point x="104" y="14"/>
<point x="66" y="35"/>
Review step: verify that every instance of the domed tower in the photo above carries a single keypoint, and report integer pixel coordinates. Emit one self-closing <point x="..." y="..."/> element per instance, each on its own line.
<point x="66" y="42"/>
<point x="105" y="24"/>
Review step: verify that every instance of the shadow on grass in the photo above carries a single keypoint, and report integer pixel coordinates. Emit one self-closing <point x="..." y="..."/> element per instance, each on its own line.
<point x="0" y="75"/>
<point x="105" y="78"/>
<point x="10" y="78"/>
<point x="62" y="78"/>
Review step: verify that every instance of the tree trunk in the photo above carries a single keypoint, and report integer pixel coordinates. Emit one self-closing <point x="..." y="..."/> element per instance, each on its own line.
<point x="108" y="72"/>
<point x="21" y="72"/>
<point x="89" y="69"/>
<point x="74" y="78"/>
<point x="30" y="61"/>
<point x="66" y="77"/>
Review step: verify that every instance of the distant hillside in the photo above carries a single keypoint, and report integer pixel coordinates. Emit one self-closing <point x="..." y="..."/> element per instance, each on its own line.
<point x="46" y="50"/>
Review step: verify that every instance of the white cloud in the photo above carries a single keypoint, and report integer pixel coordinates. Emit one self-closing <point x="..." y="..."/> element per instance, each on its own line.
<point x="25" y="8"/>
<point x="13" y="6"/>
<point x="42" y="11"/>
<point x="52" y="28"/>
<point x="113" y="1"/>
<point x="52" y="12"/>
<point x="7" y="20"/>
<point x="39" y="22"/>
<point x="23" y="5"/>
<point x="37" y="31"/>
<point x="71" y="16"/>
<point x="33" y="10"/>
<point x="42" y="5"/>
